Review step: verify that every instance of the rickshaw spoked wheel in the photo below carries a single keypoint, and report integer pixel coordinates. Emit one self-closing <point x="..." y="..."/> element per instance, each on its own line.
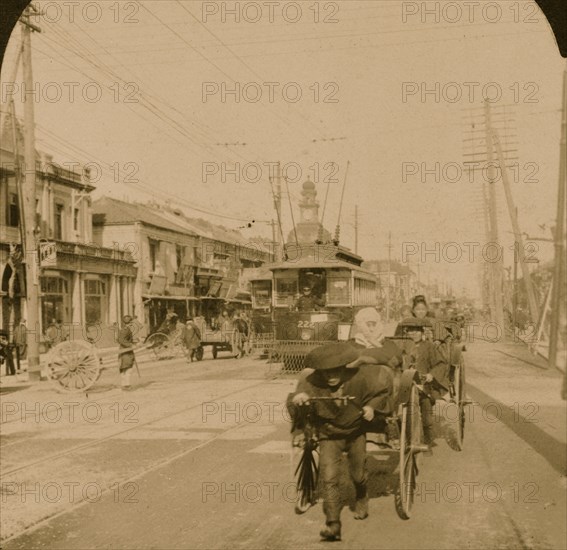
<point x="73" y="366"/>
<point x="459" y="382"/>
<point x="158" y="343"/>
<point x="410" y="446"/>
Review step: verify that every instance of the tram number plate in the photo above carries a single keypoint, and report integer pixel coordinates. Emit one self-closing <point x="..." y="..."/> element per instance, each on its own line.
<point x="305" y="324"/>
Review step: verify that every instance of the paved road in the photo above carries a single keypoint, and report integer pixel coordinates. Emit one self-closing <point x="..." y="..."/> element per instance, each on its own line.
<point x="208" y="466"/>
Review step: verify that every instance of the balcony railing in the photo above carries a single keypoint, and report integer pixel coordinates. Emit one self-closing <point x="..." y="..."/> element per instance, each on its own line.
<point x="92" y="251"/>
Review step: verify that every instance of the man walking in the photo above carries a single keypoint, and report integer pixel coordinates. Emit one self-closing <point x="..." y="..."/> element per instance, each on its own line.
<point x="191" y="339"/>
<point x="126" y="357"/>
<point x="20" y="342"/>
<point x="338" y="372"/>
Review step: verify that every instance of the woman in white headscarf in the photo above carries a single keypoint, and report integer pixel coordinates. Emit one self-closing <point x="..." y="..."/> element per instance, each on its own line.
<point x="368" y="332"/>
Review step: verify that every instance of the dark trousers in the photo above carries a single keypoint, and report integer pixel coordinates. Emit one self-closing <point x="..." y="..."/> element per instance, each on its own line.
<point x="9" y="358"/>
<point x="331" y="451"/>
<point x="426" y="416"/>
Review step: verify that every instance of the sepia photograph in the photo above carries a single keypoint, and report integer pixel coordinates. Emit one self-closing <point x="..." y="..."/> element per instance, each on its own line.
<point x="283" y="275"/>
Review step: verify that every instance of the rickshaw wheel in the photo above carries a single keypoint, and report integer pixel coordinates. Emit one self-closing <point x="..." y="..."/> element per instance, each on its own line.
<point x="459" y="401"/>
<point x="73" y="366"/>
<point x="158" y="343"/>
<point x="199" y="353"/>
<point x="410" y="445"/>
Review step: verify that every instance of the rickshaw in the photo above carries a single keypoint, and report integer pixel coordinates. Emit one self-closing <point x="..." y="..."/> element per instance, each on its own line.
<point x="167" y="343"/>
<point x="408" y="420"/>
<point x="442" y="333"/>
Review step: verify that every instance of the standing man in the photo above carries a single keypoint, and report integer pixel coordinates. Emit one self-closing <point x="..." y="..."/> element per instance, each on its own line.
<point x="191" y="339"/>
<point x="337" y="371"/>
<point x="6" y="353"/>
<point x="240" y="334"/>
<point x="126" y="357"/>
<point x="21" y="342"/>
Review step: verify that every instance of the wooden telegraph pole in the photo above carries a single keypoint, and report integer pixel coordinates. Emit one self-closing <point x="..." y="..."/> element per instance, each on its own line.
<point x="29" y="245"/>
<point x="558" y="283"/>
<point x="519" y="241"/>
<point x="496" y="305"/>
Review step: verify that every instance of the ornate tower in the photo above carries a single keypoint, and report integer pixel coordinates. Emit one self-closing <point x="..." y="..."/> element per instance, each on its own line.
<point x="308" y="226"/>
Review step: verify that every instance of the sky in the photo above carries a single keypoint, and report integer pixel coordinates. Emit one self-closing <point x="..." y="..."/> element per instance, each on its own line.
<point x="143" y="89"/>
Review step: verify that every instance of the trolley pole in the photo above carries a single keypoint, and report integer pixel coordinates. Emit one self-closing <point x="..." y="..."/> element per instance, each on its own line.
<point x="29" y="246"/>
<point x="356" y="228"/>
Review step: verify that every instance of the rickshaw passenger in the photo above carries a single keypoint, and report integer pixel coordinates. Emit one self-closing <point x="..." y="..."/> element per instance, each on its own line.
<point x="425" y="357"/>
<point x="368" y="333"/>
<point x="339" y="371"/>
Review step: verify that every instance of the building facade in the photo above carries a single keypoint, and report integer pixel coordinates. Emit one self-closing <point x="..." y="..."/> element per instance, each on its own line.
<point x="83" y="286"/>
<point x="185" y="266"/>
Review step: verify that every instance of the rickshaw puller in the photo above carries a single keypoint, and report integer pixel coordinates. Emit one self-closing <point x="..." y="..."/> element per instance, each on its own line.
<point x="339" y="370"/>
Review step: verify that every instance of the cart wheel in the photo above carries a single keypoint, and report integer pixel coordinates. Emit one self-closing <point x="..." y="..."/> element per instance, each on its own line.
<point x="215" y="352"/>
<point x="158" y="343"/>
<point x="73" y="366"/>
<point x="410" y="445"/>
<point x="199" y="353"/>
<point x="459" y="401"/>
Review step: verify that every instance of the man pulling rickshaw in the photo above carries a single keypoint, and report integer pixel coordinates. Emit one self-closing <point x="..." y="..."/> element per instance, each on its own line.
<point x="349" y="393"/>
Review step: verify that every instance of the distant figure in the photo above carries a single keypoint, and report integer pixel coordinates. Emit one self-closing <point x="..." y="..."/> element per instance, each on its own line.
<point x="191" y="339"/>
<point x="21" y="342"/>
<point x="6" y="353"/>
<point x="307" y="301"/>
<point x="126" y="357"/>
<point x="405" y="312"/>
<point x="240" y="334"/>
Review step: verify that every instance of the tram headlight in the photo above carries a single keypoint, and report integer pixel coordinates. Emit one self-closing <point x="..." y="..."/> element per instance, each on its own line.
<point x="306" y="334"/>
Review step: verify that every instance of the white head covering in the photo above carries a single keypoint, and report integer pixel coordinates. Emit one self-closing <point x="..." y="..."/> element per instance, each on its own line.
<point x="369" y="337"/>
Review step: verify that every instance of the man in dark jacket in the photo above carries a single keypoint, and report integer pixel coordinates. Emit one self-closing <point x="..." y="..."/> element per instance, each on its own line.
<point x="126" y="357"/>
<point x="6" y="353"/>
<point x="336" y="371"/>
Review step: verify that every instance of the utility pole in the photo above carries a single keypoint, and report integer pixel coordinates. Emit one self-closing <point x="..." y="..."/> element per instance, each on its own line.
<point x="388" y="282"/>
<point x="515" y="290"/>
<point x="496" y="306"/>
<point x="518" y="239"/>
<point x="278" y="205"/>
<point x="29" y="246"/>
<point x="356" y="228"/>
<point x="558" y="282"/>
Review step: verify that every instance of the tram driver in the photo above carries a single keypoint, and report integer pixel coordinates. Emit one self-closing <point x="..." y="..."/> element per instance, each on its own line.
<point x="308" y="301"/>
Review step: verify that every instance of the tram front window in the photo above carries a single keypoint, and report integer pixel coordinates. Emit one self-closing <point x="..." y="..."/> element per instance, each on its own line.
<point x="312" y="291"/>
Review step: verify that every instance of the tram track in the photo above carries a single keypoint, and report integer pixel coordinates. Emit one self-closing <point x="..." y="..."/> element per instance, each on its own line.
<point x="122" y="482"/>
<point x="89" y="444"/>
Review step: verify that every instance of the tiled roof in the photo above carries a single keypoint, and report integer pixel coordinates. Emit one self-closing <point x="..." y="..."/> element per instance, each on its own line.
<point x="111" y="211"/>
<point x="115" y="212"/>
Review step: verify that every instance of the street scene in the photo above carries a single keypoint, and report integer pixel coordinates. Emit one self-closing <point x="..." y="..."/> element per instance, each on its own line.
<point x="282" y="275"/>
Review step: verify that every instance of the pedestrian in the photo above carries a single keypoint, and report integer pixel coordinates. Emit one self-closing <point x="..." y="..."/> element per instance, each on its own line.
<point x="240" y="334"/>
<point x="6" y="353"/>
<point x="191" y="339"/>
<point x="21" y="342"/>
<point x="335" y="371"/>
<point x="126" y="357"/>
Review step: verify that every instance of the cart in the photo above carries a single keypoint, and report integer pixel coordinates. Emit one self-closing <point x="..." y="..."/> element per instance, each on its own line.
<point x="408" y="421"/>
